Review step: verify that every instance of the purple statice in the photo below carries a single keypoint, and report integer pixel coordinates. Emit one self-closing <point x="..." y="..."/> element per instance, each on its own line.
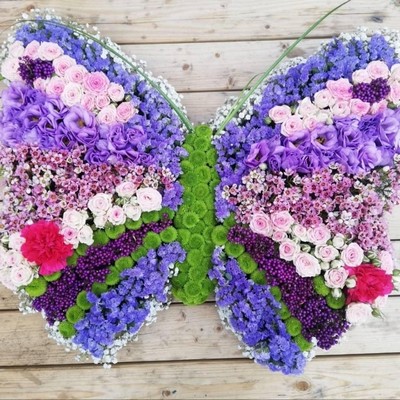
<point x="93" y="267"/>
<point x="317" y="318"/>
<point x="164" y="136"/>
<point x="125" y="308"/>
<point x="252" y="313"/>
<point x="30" y="69"/>
<point x="338" y="59"/>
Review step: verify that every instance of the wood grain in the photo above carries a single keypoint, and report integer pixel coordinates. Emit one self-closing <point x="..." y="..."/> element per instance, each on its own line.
<point x="166" y="21"/>
<point x="341" y="377"/>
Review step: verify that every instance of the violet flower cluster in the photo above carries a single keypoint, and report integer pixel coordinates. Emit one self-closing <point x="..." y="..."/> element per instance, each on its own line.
<point x="93" y="267"/>
<point x="126" y="307"/>
<point x="252" y="313"/>
<point x="317" y="318"/>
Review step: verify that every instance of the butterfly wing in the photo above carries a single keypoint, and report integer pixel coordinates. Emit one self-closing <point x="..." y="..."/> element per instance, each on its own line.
<point x="91" y="145"/>
<point x="309" y="234"/>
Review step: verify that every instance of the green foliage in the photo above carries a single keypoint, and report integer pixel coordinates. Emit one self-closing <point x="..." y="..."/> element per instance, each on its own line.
<point x="139" y="253"/>
<point x="303" y="343"/>
<point x="276" y="292"/>
<point x="203" y="130"/>
<point x="194" y="257"/>
<point x="234" y="249"/>
<point x="72" y="260"/>
<point x="334" y="303"/>
<point x="202" y="143"/>
<point x="52" y="277"/>
<point x="190" y="219"/>
<point x="203" y="173"/>
<point x="100" y="238"/>
<point x="152" y="240"/>
<point x="186" y="166"/>
<point x="82" y="301"/>
<point x="151" y="216"/>
<point x="284" y="312"/>
<point x="211" y="157"/>
<point x="125" y="262"/>
<point x="37" y="287"/>
<point x="99" y="288"/>
<point x="114" y="231"/>
<point x="320" y="287"/>
<point x="293" y="326"/>
<point x="74" y="314"/>
<point x="169" y="235"/>
<point x="66" y="329"/>
<point x="113" y="278"/>
<point x="183" y="236"/>
<point x="258" y="276"/>
<point x="200" y="191"/>
<point x="192" y="289"/>
<point x="133" y="225"/>
<point x="197" y="158"/>
<point x="230" y="221"/>
<point x="196" y="241"/>
<point x="180" y="279"/>
<point x="168" y="211"/>
<point x="81" y="249"/>
<point x="198" y="228"/>
<point x="199" y="207"/>
<point x="218" y="235"/>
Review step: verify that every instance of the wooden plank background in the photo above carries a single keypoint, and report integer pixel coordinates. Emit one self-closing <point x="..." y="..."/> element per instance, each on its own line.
<point x="208" y="50"/>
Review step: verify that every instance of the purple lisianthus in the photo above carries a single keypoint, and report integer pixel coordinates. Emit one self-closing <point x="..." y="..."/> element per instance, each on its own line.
<point x="258" y="154"/>
<point x="82" y="125"/>
<point x="348" y="132"/>
<point x="324" y="137"/>
<point x="369" y="156"/>
<point x="300" y="140"/>
<point x="348" y="158"/>
<point x="389" y="132"/>
<point x="310" y="161"/>
<point x="370" y="126"/>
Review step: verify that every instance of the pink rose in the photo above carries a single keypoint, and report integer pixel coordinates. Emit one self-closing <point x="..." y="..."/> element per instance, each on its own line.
<point x="359" y="107"/>
<point x="21" y="275"/>
<point x="125" y="111"/>
<point x="49" y="51"/>
<point x="357" y="313"/>
<point x="16" y="49"/>
<point x="282" y="220"/>
<point x="116" y="215"/>
<point x="352" y="255"/>
<point x="319" y="235"/>
<point x="377" y="108"/>
<point x="61" y="64"/>
<point x="377" y="69"/>
<point x="307" y="265"/>
<point x="107" y="115"/>
<point x="70" y="236"/>
<point x="101" y="101"/>
<point x="395" y="72"/>
<point x="75" y="219"/>
<point x="394" y="95"/>
<point x="88" y="101"/>
<point x="341" y="108"/>
<point x="260" y="223"/>
<point x="310" y="122"/>
<point x="306" y="107"/>
<point x="300" y="232"/>
<point x="31" y="49"/>
<point x="326" y="253"/>
<point x="126" y="189"/>
<point x="292" y="125"/>
<point x="9" y="69"/>
<point x="340" y="89"/>
<point x="323" y="99"/>
<point x="335" y="278"/>
<point x="387" y="263"/>
<point x="361" y="76"/>
<point x="76" y="73"/>
<point x="72" y="94"/>
<point x="100" y="203"/>
<point x="279" y="236"/>
<point x="279" y="114"/>
<point x="116" y="92"/>
<point x="100" y="220"/>
<point x="96" y="82"/>
<point x="55" y="85"/>
<point x="149" y="199"/>
<point x="288" y="249"/>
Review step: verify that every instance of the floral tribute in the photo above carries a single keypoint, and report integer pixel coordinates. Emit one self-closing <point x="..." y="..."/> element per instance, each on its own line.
<point x="90" y="152"/>
<point x="308" y="170"/>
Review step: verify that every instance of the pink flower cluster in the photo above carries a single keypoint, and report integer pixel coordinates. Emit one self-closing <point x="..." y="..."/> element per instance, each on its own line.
<point x="72" y="82"/>
<point x="41" y="184"/>
<point x="336" y="100"/>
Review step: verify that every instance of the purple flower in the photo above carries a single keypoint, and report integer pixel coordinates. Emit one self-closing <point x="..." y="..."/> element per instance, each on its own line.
<point x="81" y="125"/>
<point x="349" y="135"/>
<point x="369" y="156"/>
<point x="324" y="137"/>
<point x="258" y="154"/>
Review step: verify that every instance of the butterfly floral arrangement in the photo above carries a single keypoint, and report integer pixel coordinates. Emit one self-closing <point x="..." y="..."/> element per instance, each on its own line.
<point x="112" y="202"/>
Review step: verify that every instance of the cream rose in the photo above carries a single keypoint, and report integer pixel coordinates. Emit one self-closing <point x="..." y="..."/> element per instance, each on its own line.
<point x="101" y="101"/>
<point x="15" y="241"/>
<point x="31" y="49"/>
<point x="108" y="115"/>
<point x="279" y="236"/>
<point x="100" y="220"/>
<point x="338" y="241"/>
<point x="361" y="76"/>
<point x="306" y="265"/>
<point x="76" y="73"/>
<point x="357" y="313"/>
<point x="149" y="199"/>
<point x="125" y="111"/>
<point x="352" y="255"/>
<point x="100" y="203"/>
<point x="292" y="125"/>
<point x="74" y="219"/>
<point x="72" y="94"/>
<point x="126" y="189"/>
<point x="61" y="64"/>
<point x="9" y="69"/>
<point x="323" y="99"/>
<point x="21" y="275"/>
<point x="387" y="263"/>
<point x="55" y="85"/>
<point x="306" y="107"/>
<point x="132" y="211"/>
<point x="359" y="107"/>
<point x="116" y="92"/>
<point x="377" y="69"/>
<point x="85" y="235"/>
<point x="49" y="51"/>
<point x="300" y="232"/>
<point x="280" y="114"/>
<point x="326" y="253"/>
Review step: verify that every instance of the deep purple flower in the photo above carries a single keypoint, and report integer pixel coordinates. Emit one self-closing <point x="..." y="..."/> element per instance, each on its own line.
<point x="369" y="156"/>
<point x="349" y="135"/>
<point x="258" y="154"/>
<point x="82" y="125"/>
<point x="299" y="140"/>
<point x="349" y="158"/>
<point x="370" y="126"/>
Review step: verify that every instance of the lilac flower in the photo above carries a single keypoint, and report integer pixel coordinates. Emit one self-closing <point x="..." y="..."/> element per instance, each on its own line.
<point x="324" y="137"/>
<point x="258" y="154"/>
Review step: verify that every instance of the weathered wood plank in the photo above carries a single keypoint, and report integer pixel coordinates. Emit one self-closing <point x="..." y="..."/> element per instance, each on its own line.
<point x="326" y="378"/>
<point x="178" y="329"/>
<point x="161" y="21"/>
